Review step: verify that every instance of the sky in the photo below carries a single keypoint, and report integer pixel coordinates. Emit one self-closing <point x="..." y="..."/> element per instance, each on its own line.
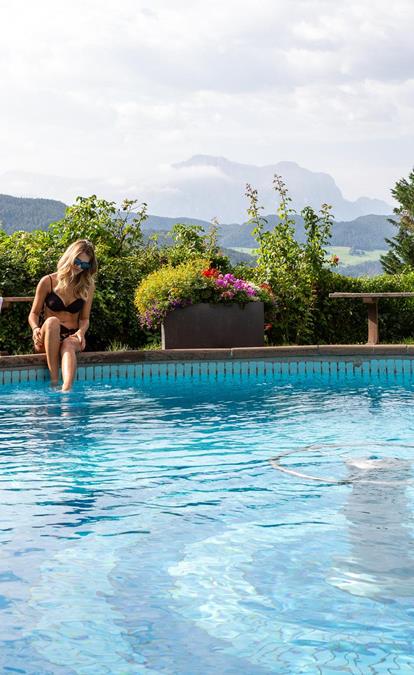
<point x="117" y="91"/>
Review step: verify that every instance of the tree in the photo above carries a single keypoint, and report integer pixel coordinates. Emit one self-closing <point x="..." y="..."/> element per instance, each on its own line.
<point x="293" y="270"/>
<point x="118" y="231"/>
<point x="400" y="256"/>
<point x="191" y="242"/>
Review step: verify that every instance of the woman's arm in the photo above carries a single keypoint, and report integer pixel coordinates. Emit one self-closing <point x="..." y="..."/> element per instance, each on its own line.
<point x="84" y="319"/>
<point x="37" y="306"/>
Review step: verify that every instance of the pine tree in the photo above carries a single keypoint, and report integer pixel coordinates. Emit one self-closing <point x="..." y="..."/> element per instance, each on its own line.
<point x="400" y="256"/>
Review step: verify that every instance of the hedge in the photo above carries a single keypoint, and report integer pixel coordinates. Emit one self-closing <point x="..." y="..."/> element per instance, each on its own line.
<point x="25" y="257"/>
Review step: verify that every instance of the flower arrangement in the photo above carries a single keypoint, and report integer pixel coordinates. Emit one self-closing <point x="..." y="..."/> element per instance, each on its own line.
<point x="189" y="283"/>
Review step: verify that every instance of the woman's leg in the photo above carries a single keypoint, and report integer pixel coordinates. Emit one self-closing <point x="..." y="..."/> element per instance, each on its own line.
<point x="70" y="346"/>
<point x="51" y="340"/>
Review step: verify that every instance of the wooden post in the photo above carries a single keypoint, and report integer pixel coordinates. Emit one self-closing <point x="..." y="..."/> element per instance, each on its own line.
<point x="372" y="303"/>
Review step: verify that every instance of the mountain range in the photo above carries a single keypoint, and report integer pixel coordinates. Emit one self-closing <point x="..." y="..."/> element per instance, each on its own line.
<point x="203" y="187"/>
<point x="206" y="187"/>
<point x="365" y="232"/>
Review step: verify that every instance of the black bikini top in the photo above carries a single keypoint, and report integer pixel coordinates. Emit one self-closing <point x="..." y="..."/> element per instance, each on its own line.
<point x="56" y="304"/>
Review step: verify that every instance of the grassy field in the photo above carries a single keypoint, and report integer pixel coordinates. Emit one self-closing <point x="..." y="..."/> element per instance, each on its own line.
<point x="343" y="253"/>
<point x="346" y="258"/>
<point x="241" y="249"/>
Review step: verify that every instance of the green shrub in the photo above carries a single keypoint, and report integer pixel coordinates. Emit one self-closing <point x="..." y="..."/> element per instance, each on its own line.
<point x="293" y="270"/>
<point x="191" y="242"/>
<point x="24" y="258"/>
<point x="113" y="316"/>
<point x="400" y="256"/>
<point x="301" y="281"/>
<point x="118" y="232"/>
<point x="122" y="258"/>
<point x="344" y="320"/>
<point x="172" y="276"/>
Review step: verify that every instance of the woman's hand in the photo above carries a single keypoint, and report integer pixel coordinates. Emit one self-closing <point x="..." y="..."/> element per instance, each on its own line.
<point x="80" y="336"/>
<point x="37" y="336"/>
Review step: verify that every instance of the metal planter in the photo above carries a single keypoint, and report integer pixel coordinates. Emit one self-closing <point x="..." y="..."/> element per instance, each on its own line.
<point x="207" y="325"/>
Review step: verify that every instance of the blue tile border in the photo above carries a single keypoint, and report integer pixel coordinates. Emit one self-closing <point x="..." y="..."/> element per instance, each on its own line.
<point x="328" y="369"/>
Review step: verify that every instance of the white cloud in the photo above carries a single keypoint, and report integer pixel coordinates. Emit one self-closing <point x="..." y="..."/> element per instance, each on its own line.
<point x="116" y="88"/>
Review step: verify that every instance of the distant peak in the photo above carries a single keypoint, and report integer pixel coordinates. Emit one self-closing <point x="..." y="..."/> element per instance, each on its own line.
<point x="287" y="165"/>
<point x="203" y="160"/>
<point x="228" y="165"/>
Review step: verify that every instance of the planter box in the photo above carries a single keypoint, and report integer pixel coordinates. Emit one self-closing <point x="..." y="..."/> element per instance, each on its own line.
<point x="212" y="326"/>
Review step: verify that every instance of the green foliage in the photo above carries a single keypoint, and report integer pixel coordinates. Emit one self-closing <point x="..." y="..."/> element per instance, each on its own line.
<point x="344" y="320"/>
<point x="123" y="261"/>
<point x="190" y="242"/>
<point x="292" y="269"/>
<point x="113" y="316"/>
<point x="153" y="344"/>
<point x="171" y="276"/>
<point x="114" y="232"/>
<point x="169" y="287"/>
<point x="318" y="230"/>
<point x="400" y="256"/>
<point x="117" y="346"/>
<point x="24" y="258"/>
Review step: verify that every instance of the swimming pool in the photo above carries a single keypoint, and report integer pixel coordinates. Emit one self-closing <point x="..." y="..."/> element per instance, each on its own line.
<point x="148" y="523"/>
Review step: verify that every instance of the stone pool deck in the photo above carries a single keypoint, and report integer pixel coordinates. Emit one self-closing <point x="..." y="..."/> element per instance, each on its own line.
<point x="308" y="352"/>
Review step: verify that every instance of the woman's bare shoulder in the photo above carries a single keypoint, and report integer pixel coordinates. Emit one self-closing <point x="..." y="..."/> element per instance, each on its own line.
<point x="45" y="281"/>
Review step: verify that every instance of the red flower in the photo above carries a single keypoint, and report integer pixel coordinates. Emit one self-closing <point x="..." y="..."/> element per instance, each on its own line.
<point x="211" y="272"/>
<point x="268" y="326"/>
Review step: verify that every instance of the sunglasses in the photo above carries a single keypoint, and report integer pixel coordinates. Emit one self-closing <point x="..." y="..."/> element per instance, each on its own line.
<point x="83" y="265"/>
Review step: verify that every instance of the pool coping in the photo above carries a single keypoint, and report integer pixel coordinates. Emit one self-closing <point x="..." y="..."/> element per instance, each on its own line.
<point x="239" y="353"/>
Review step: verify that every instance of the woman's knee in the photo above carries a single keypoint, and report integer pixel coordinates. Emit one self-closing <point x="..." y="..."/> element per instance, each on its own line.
<point x="52" y="325"/>
<point x="68" y="347"/>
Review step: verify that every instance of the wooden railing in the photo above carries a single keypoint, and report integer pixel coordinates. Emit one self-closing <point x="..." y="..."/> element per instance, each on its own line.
<point x="371" y="300"/>
<point x="9" y="300"/>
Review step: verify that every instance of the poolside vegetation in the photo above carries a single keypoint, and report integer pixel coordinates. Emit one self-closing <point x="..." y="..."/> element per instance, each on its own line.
<point x="192" y="282"/>
<point x="299" y="276"/>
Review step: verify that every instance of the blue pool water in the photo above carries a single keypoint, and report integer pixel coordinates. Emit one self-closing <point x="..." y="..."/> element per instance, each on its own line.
<point x="152" y="525"/>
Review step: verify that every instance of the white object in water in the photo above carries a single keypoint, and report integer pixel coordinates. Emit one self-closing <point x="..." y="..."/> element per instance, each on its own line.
<point x="366" y="464"/>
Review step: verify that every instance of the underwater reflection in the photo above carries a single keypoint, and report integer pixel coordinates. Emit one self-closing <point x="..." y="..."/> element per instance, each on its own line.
<point x="380" y="562"/>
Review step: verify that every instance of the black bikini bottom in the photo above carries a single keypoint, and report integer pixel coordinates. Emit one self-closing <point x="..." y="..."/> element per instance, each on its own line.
<point x="66" y="332"/>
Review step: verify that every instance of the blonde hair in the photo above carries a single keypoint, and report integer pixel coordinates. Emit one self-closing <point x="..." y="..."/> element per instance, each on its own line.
<point x="80" y="283"/>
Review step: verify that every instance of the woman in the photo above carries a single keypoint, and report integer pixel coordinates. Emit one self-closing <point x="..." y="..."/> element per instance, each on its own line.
<point x="65" y="299"/>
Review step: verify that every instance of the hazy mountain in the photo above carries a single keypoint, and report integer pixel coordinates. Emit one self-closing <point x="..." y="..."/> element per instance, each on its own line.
<point x="202" y="187"/>
<point x="365" y="232"/>
<point x="18" y="213"/>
